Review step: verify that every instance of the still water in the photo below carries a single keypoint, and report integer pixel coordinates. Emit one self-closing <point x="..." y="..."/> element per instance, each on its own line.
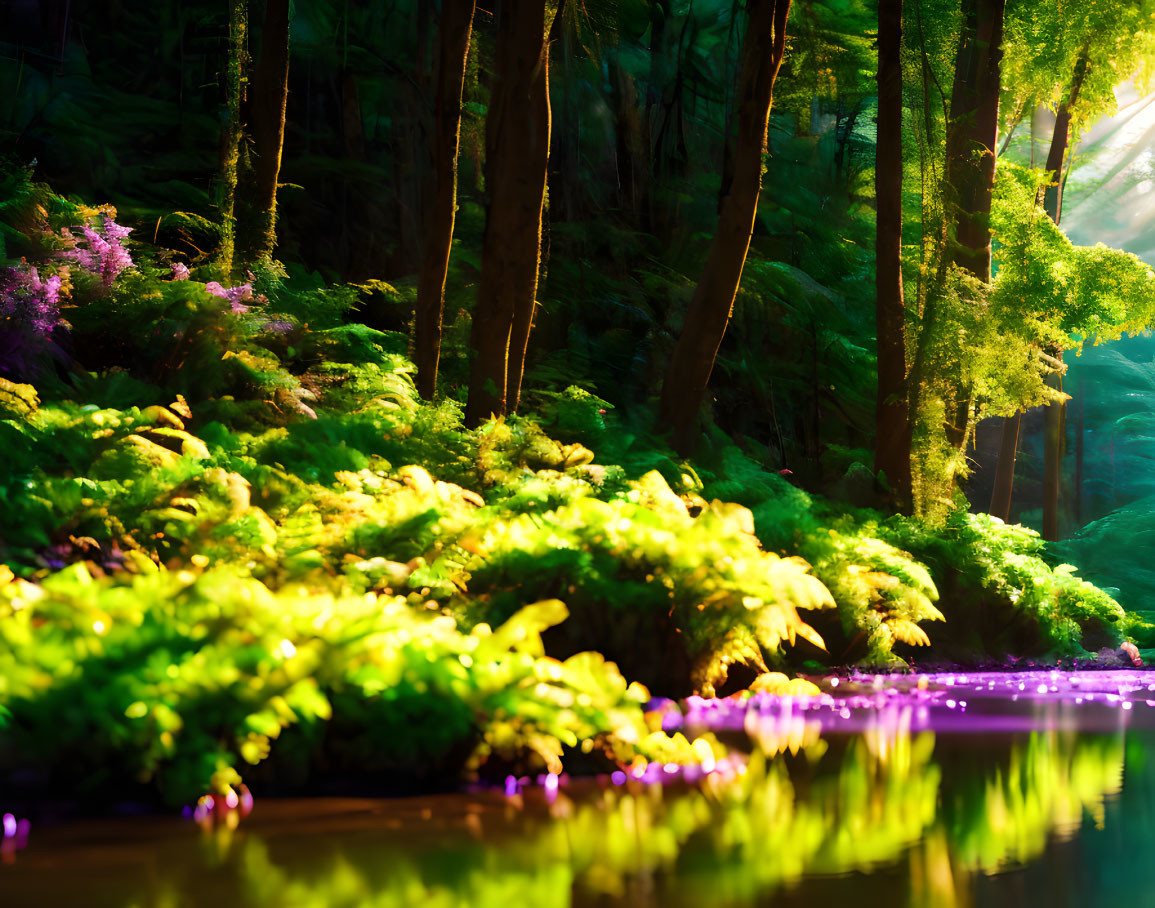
<point x="947" y="790"/>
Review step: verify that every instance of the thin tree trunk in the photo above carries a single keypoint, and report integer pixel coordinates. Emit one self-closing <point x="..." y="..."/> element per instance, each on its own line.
<point x="1053" y="203"/>
<point x="1005" y="469"/>
<point x="516" y="163"/>
<point x="452" y="52"/>
<point x="631" y="143"/>
<point x="267" y="97"/>
<point x="693" y="360"/>
<point x="1079" y="457"/>
<point x="1052" y="460"/>
<point x="233" y="133"/>
<point x="892" y="446"/>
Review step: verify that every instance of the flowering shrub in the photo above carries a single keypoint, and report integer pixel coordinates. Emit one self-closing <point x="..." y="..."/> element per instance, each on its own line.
<point x="30" y="300"/>
<point x="102" y="253"/>
<point x="233" y="294"/>
<point x="29" y="312"/>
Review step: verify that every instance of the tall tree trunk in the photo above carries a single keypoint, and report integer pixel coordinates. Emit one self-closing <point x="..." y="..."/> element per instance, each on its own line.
<point x="452" y="52"/>
<point x="972" y="133"/>
<point x="538" y="160"/>
<point x="1056" y="414"/>
<point x="892" y="445"/>
<point x="267" y="96"/>
<point x="233" y="132"/>
<point x="1005" y="468"/>
<point x="971" y="136"/>
<point x="632" y="143"/>
<point x="693" y="360"/>
<point x="516" y="163"/>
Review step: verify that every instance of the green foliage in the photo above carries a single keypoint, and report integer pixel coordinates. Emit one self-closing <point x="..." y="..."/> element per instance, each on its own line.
<point x="981" y="347"/>
<point x="1001" y="596"/>
<point x="181" y="677"/>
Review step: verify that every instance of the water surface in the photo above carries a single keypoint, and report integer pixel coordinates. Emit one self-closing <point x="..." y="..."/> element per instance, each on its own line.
<point x="947" y="790"/>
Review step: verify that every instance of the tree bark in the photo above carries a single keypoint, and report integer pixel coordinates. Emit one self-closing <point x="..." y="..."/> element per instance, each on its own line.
<point x="516" y="164"/>
<point x="538" y="161"/>
<point x="971" y="136"/>
<point x="892" y="445"/>
<point x="972" y="132"/>
<point x="693" y="360"/>
<point x="1005" y="468"/>
<point x="267" y="97"/>
<point x="453" y="38"/>
<point x="233" y="133"/>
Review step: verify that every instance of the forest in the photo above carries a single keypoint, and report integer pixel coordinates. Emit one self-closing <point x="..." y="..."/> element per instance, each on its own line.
<point x="400" y="393"/>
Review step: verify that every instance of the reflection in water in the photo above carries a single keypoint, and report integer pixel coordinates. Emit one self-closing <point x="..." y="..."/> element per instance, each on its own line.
<point x="938" y="812"/>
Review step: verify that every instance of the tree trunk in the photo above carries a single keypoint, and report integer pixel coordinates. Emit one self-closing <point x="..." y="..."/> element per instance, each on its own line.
<point x="1005" y="469"/>
<point x="268" y="93"/>
<point x="1053" y="203"/>
<point x="972" y="132"/>
<point x="452" y="51"/>
<point x="892" y="445"/>
<point x="537" y="158"/>
<point x="685" y="384"/>
<point x="971" y="136"/>
<point x="233" y="133"/>
<point x="516" y="163"/>
<point x="632" y="144"/>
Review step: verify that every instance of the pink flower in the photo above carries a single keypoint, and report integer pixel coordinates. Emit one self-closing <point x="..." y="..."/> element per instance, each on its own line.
<point x="103" y="254"/>
<point x="233" y="294"/>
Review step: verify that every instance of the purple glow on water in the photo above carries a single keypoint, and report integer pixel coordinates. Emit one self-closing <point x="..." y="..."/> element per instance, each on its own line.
<point x="511" y="786"/>
<point x="9" y="822"/>
<point x="974" y="702"/>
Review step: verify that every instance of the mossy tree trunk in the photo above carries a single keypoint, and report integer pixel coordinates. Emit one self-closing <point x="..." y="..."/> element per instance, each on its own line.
<point x="516" y="164"/>
<point x="892" y="423"/>
<point x="453" y="37"/>
<point x="231" y="137"/>
<point x="685" y="383"/>
<point x="971" y="136"/>
<point x="265" y="126"/>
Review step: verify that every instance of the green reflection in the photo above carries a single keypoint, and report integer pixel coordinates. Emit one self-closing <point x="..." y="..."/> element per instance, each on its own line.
<point x="939" y="813"/>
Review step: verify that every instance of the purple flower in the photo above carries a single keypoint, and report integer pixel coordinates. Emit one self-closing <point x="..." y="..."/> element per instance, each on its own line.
<point x="233" y="294"/>
<point x="104" y="255"/>
<point x="180" y="271"/>
<point x="278" y="326"/>
<point x="27" y="299"/>
<point x="29" y="317"/>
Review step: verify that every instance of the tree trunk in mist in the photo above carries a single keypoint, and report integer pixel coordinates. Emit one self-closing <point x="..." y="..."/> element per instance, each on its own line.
<point x="892" y="445"/>
<point x="267" y="96"/>
<point x="452" y="53"/>
<point x="516" y="164"/>
<point x="1055" y="416"/>
<point x="693" y="360"/>
<point x="1005" y="468"/>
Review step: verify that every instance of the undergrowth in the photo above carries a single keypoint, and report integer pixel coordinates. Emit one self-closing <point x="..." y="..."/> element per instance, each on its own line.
<point x="225" y="513"/>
